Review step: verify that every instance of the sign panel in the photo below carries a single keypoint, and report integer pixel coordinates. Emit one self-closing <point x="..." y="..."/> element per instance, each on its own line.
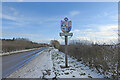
<point x="66" y="34"/>
<point x="66" y="26"/>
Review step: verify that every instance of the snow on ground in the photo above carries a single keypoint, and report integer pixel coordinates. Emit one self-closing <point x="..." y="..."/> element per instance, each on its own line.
<point x="36" y="68"/>
<point x="76" y="69"/>
<point x="47" y="65"/>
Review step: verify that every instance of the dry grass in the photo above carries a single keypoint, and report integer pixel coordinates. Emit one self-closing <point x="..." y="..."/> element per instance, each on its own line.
<point x="103" y="58"/>
<point x="9" y="45"/>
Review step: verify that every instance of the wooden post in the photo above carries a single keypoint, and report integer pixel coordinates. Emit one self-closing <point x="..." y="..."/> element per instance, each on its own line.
<point x="66" y="28"/>
<point x="66" y="51"/>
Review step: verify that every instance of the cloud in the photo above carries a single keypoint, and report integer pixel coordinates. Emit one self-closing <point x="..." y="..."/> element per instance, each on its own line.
<point x="98" y="33"/>
<point x="82" y="30"/>
<point x="74" y="13"/>
<point x="88" y="30"/>
<point x="76" y="31"/>
<point x="20" y="0"/>
<point x="11" y="13"/>
<point x="106" y="33"/>
<point x="14" y="18"/>
<point x="108" y="40"/>
<point x="8" y="17"/>
<point x="109" y="29"/>
<point x="106" y="30"/>
<point x="115" y="17"/>
<point x="83" y="38"/>
<point x="14" y="21"/>
<point x="15" y="12"/>
<point x="14" y="34"/>
<point x="105" y="14"/>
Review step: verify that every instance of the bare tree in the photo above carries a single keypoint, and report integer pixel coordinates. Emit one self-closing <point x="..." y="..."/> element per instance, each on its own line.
<point x="55" y="43"/>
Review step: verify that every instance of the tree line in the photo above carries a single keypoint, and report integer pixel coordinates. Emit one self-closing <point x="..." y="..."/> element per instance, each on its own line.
<point x="14" y="44"/>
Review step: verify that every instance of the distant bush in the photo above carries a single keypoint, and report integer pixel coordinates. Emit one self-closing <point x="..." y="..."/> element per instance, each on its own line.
<point x="14" y="44"/>
<point x="55" y="44"/>
<point x="103" y="58"/>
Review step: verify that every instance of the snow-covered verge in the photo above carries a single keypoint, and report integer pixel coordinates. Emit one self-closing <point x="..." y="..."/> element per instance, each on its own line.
<point x="76" y="69"/>
<point x="14" y="52"/>
<point x="47" y="65"/>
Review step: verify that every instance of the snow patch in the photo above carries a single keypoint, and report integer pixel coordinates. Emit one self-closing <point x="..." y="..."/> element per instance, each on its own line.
<point x="47" y="65"/>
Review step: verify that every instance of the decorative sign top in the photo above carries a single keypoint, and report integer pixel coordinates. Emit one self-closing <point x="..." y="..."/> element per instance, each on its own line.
<point x="66" y="25"/>
<point x="66" y="19"/>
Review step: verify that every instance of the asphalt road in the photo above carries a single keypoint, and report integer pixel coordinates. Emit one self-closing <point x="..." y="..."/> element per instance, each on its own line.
<point x="13" y="62"/>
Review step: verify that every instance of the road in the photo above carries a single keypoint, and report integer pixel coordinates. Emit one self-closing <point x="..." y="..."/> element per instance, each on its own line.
<point x="13" y="62"/>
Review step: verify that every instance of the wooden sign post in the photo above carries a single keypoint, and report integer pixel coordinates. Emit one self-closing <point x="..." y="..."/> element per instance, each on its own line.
<point x="66" y="28"/>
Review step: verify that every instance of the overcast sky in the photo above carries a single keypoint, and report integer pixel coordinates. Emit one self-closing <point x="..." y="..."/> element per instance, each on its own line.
<point x="40" y="21"/>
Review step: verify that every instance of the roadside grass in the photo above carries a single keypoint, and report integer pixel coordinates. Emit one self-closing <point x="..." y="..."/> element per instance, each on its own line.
<point x="100" y="57"/>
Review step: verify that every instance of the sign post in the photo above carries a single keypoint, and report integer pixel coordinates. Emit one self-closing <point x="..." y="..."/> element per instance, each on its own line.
<point x="66" y="51"/>
<point x="66" y="28"/>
